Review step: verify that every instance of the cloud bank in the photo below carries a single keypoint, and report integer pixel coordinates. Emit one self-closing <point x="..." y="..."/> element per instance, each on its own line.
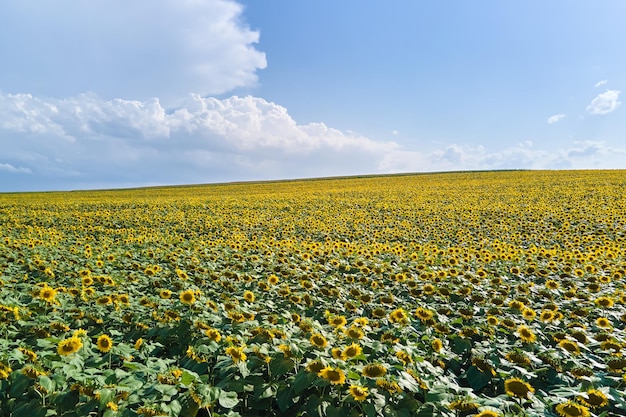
<point x="115" y="48"/>
<point x="85" y="141"/>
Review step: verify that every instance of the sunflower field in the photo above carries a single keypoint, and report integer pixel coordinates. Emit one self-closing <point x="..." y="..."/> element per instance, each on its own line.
<point x="455" y="294"/>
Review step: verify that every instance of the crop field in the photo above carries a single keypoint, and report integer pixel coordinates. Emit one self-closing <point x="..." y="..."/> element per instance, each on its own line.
<point x="456" y="294"/>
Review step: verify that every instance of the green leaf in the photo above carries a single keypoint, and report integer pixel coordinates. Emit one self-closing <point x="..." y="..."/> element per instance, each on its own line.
<point x="29" y="409"/>
<point x="280" y="366"/>
<point x="477" y="379"/>
<point x="46" y="383"/>
<point x="228" y="399"/>
<point x="302" y="381"/>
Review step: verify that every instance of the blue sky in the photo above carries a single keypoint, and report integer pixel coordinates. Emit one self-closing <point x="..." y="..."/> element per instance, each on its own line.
<point x="115" y="94"/>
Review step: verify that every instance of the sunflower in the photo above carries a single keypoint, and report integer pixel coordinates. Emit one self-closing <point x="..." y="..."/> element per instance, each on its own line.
<point x="374" y="370"/>
<point x="237" y="354"/>
<point x="603" y="322"/>
<point x="355" y="333"/>
<point x="351" y="351"/>
<point x="404" y="357"/>
<point x="570" y="345"/>
<point x="47" y="294"/>
<point x="399" y="316"/>
<point x="552" y="284"/>
<point x="605" y="302"/>
<point x="357" y="392"/>
<point x="104" y="300"/>
<point x="165" y="294"/>
<point x="518" y="357"/>
<point x="337" y="321"/>
<point x="462" y="405"/>
<point x="571" y="409"/>
<point x="528" y="313"/>
<point x="423" y="314"/>
<point x="273" y="279"/>
<point x="594" y="398"/>
<point x="526" y="334"/>
<point x="546" y="316"/>
<point x="487" y="413"/>
<point x="389" y="386"/>
<point x="336" y="353"/>
<point x="5" y="371"/>
<point x="516" y="387"/>
<point x="318" y="341"/>
<point x="248" y="296"/>
<point x="104" y="343"/>
<point x="69" y="346"/>
<point x="492" y="320"/>
<point x="213" y="334"/>
<point x="315" y="366"/>
<point x="334" y="375"/>
<point x="437" y="345"/>
<point x="187" y="297"/>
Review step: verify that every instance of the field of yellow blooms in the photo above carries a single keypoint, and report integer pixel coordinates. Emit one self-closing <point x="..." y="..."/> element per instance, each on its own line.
<point x="457" y="294"/>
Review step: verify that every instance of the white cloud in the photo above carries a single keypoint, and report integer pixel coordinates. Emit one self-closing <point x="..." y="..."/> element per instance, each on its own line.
<point x="605" y="102"/>
<point x="84" y="140"/>
<point x="555" y="118"/>
<point x="11" y="168"/>
<point x="88" y="142"/>
<point x="580" y="155"/>
<point x="139" y="49"/>
<point x="600" y="83"/>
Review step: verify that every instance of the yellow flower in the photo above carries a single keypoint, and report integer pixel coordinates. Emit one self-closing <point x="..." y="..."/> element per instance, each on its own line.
<point x="518" y="388"/>
<point x="237" y="354"/>
<point x="334" y="375"/>
<point x="571" y="409"/>
<point x="69" y="346"/>
<point x="399" y="316"/>
<point x="187" y="297"/>
<point x="213" y="334"/>
<point x="337" y="321"/>
<point x="351" y="351"/>
<point x="355" y="333"/>
<point x="437" y="345"/>
<point x="487" y="413"/>
<point x="138" y="343"/>
<point x="357" y="392"/>
<point x="570" y="346"/>
<point x="526" y="334"/>
<point x="104" y="343"/>
<point x="248" y="296"/>
<point x="594" y="398"/>
<point x="47" y="294"/>
<point x="315" y="366"/>
<point x="374" y="371"/>
<point x="603" y="322"/>
<point x="5" y="371"/>
<point x="318" y="341"/>
<point x="165" y="294"/>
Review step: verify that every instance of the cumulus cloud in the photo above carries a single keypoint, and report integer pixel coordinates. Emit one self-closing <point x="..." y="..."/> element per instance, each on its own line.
<point x="138" y="50"/>
<point x="605" y="102"/>
<point x="600" y="83"/>
<point x="85" y="141"/>
<point x="555" y="118"/>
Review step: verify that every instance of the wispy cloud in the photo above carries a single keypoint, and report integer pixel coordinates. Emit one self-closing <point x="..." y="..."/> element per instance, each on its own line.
<point x="605" y="102"/>
<point x="555" y="118"/>
<point x="16" y="170"/>
<point x="601" y="83"/>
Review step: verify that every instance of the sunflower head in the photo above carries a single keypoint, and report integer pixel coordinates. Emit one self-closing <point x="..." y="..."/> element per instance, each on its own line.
<point x="104" y="343"/>
<point x="358" y="392"/>
<point x="516" y="387"/>
<point x="572" y="409"/>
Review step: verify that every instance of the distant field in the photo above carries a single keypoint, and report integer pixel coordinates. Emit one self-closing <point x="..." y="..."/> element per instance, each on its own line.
<point x="454" y="294"/>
